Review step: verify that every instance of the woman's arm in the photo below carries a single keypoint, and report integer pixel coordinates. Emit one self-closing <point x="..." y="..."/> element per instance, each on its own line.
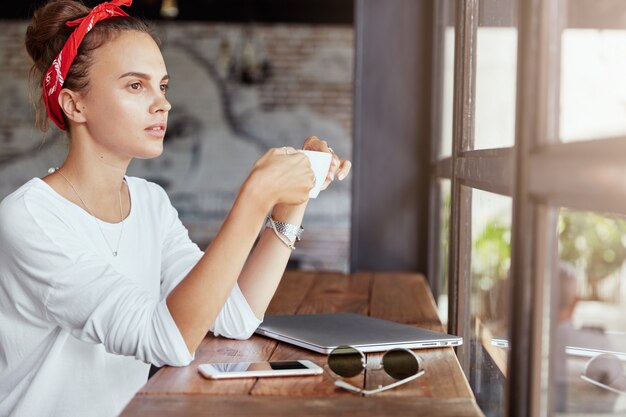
<point x="281" y="180"/>
<point x="265" y="267"/>
<point x="277" y="178"/>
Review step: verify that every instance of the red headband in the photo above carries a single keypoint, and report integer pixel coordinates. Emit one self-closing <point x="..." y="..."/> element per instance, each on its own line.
<point x="55" y="77"/>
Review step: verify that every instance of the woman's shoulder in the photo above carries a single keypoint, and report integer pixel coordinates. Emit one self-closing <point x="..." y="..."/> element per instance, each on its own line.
<point x="24" y="206"/>
<point x="16" y="201"/>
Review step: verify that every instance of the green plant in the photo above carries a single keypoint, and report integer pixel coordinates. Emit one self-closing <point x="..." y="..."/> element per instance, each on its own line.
<point x="491" y="259"/>
<point x="492" y="250"/>
<point x="594" y="242"/>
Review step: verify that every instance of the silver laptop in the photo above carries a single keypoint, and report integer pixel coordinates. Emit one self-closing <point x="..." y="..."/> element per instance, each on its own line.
<point x="324" y="332"/>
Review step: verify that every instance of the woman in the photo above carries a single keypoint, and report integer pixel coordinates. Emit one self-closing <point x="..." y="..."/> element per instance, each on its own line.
<point x="98" y="277"/>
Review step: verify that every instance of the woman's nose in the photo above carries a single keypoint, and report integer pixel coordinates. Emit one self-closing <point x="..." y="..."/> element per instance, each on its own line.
<point x="161" y="104"/>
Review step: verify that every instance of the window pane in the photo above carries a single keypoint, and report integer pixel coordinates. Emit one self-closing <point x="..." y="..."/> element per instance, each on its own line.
<point x="447" y="100"/>
<point x="590" y="334"/>
<point x="593" y="86"/>
<point x="496" y="69"/>
<point x="444" y="247"/>
<point x="490" y="262"/>
<point x="593" y="89"/>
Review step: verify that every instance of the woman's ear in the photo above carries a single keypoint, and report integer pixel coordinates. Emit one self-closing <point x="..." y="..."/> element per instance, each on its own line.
<point x="71" y="106"/>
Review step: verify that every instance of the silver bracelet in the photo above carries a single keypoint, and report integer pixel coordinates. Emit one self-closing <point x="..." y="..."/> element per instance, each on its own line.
<point x="287" y="233"/>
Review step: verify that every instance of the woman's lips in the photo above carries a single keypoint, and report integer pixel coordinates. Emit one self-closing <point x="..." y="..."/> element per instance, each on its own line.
<point x="157" y="130"/>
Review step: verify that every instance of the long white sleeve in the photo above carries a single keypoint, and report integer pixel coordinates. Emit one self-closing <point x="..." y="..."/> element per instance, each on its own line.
<point x="79" y="326"/>
<point x="236" y="320"/>
<point x="70" y="285"/>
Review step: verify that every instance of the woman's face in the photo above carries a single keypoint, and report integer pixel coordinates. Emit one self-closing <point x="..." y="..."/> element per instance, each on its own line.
<point x="125" y="108"/>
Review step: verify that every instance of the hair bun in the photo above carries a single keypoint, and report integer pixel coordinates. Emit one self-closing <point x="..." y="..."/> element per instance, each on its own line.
<point x="47" y="33"/>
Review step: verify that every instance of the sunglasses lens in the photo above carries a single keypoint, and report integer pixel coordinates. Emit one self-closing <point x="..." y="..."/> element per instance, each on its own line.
<point x="604" y="368"/>
<point x="346" y="361"/>
<point x="400" y="363"/>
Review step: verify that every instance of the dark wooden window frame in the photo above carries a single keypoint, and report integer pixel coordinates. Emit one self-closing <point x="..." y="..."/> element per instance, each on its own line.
<point x="540" y="173"/>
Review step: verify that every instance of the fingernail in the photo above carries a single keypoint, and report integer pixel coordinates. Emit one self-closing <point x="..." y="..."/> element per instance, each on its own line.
<point x="340" y="176"/>
<point x="332" y="176"/>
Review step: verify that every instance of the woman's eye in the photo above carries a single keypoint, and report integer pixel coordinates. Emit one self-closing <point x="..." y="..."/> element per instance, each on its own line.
<point x="135" y="86"/>
<point x="165" y="87"/>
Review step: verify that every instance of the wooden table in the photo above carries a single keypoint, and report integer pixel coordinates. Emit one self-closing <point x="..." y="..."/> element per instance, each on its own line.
<point x="401" y="297"/>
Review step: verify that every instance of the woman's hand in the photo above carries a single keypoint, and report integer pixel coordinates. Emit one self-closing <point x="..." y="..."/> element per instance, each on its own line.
<point x="282" y="176"/>
<point x="338" y="168"/>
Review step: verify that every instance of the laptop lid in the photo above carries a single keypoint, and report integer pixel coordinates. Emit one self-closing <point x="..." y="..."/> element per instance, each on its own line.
<point x="324" y="332"/>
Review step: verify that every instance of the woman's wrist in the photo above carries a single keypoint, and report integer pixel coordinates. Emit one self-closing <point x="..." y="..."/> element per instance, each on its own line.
<point x="287" y="213"/>
<point x="285" y="220"/>
<point x="253" y="194"/>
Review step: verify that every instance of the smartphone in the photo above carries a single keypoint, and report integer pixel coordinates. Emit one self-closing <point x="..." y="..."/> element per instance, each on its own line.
<point x="258" y="369"/>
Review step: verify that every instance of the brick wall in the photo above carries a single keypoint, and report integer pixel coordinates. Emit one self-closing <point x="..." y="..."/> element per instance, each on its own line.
<point x="220" y="123"/>
<point x="309" y="64"/>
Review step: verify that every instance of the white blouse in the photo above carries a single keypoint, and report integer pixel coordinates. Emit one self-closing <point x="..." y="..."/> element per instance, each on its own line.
<point x="79" y="326"/>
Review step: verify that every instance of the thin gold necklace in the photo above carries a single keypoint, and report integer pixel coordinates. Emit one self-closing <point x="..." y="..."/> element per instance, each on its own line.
<point x="119" y="239"/>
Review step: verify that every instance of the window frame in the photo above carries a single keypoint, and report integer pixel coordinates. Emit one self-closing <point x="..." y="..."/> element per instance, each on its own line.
<point x="532" y="173"/>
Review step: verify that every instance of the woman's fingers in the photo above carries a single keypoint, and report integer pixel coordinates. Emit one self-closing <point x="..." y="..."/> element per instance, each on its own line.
<point x="334" y="164"/>
<point x="286" y="175"/>
<point x="340" y="172"/>
<point x="313" y="143"/>
<point x="344" y="170"/>
<point x="339" y="169"/>
<point x="286" y="150"/>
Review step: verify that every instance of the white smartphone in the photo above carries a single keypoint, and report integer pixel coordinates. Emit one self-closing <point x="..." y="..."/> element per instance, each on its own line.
<point x="258" y="369"/>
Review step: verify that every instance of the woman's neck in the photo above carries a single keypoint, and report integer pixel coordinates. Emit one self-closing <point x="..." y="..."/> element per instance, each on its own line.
<point x="93" y="180"/>
<point x="94" y="175"/>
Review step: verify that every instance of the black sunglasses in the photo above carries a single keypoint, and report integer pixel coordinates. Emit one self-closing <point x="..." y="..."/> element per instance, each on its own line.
<point x="400" y="364"/>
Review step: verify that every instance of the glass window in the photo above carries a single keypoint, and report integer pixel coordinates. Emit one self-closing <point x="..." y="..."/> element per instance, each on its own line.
<point x="444" y="247"/>
<point x="593" y="86"/>
<point x="490" y="262"/>
<point x="447" y="102"/>
<point x="496" y="71"/>
<point x="590" y="335"/>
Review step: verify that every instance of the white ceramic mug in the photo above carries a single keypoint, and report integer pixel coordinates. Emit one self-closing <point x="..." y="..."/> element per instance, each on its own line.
<point x="320" y="162"/>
